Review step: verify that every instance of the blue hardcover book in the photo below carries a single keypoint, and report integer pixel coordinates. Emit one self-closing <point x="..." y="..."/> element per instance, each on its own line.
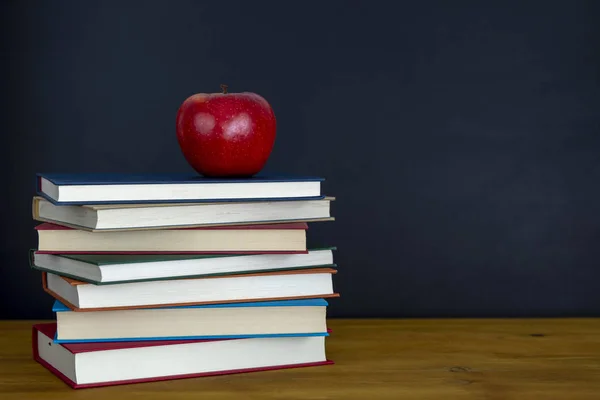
<point x="215" y="321"/>
<point x="89" y="189"/>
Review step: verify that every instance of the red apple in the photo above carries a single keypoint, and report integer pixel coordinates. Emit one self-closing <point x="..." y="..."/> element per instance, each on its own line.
<point x="226" y="134"/>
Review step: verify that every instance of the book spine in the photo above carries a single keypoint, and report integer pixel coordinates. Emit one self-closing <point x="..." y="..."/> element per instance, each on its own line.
<point x="44" y="363"/>
<point x="35" y="208"/>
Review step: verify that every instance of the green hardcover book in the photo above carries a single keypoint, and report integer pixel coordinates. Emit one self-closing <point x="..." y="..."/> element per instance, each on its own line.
<point x="102" y="269"/>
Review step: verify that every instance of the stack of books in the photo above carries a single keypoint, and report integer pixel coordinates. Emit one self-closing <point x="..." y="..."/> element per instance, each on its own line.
<point x="166" y="277"/>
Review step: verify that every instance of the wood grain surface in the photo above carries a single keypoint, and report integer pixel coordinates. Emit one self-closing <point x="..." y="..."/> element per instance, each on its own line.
<point x="375" y="360"/>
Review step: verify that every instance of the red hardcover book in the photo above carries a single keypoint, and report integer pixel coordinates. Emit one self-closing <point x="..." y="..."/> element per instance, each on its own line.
<point x="86" y="365"/>
<point x="241" y="239"/>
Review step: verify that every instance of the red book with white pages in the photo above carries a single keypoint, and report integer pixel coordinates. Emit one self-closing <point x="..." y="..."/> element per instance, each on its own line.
<point x="86" y="365"/>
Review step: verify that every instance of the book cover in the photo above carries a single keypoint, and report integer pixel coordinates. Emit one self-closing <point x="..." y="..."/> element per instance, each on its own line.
<point x="112" y="259"/>
<point x="48" y="226"/>
<point x="166" y="179"/>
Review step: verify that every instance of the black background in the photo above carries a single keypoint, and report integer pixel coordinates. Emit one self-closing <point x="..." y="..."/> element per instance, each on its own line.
<point x="461" y="139"/>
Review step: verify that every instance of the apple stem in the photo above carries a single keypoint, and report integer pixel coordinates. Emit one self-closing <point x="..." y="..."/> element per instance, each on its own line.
<point x="224" y="88"/>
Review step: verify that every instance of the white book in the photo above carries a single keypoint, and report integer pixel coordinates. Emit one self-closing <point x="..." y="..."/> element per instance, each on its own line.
<point x="82" y="365"/>
<point x="119" y="268"/>
<point x="127" y="188"/>
<point x="280" y="285"/>
<point x="272" y="238"/>
<point x="214" y="321"/>
<point x="157" y="216"/>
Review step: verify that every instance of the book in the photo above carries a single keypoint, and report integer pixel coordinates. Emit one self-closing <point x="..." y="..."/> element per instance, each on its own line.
<point x="121" y="268"/>
<point x="215" y="321"/>
<point x="176" y="215"/>
<point x="143" y="188"/>
<point x="263" y="286"/>
<point x="248" y="239"/>
<point x="85" y="365"/>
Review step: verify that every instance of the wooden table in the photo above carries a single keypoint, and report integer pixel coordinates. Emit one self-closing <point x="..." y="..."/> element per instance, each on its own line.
<point x="375" y="360"/>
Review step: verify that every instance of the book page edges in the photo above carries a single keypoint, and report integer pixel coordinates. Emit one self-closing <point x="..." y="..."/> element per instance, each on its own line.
<point x="75" y="282"/>
<point x="88" y="229"/>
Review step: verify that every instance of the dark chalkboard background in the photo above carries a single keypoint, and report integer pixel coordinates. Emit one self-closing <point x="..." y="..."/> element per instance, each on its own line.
<point x="462" y="139"/>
